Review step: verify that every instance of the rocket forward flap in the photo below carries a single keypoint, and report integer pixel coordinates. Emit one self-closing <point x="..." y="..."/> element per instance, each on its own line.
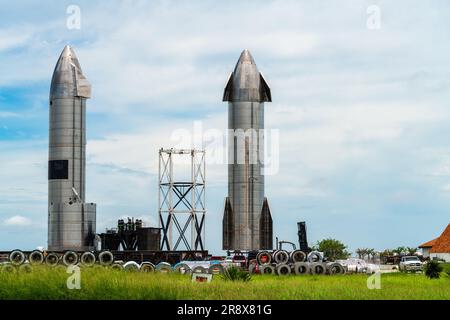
<point x="266" y="94"/>
<point x="228" y="88"/>
<point x="83" y="86"/>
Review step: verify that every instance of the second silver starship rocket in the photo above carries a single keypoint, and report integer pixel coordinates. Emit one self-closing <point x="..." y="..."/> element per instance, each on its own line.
<point x="247" y="221"/>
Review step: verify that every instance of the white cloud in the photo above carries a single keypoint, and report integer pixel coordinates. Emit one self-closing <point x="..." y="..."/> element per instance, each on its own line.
<point x="24" y="167"/>
<point x="17" y="221"/>
<point x="363" y="107"/>
<point x="13" y="38"/>
<point x="7" y="114"/>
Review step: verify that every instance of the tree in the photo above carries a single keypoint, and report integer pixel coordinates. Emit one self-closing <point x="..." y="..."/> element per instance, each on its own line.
<point x="359" y="252"/>
<point x="371" y="253"/>
<point x="433" y="269"/>
<point x="411" y="251"/>
<point x="400" y="251"/>
<point x="385" y="255"/>
<point x="332" y="249"/>
<point x="362" y="252"/>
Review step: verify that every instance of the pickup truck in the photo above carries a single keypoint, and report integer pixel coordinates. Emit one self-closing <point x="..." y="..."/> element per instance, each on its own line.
<point x="410" y="264"/>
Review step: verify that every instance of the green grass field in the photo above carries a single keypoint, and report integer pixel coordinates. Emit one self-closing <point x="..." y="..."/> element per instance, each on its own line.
<point x="98" y="284"/>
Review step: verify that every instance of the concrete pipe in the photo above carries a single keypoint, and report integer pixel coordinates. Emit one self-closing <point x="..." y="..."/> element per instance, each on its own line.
<point x="26" y="268"/>
<point x="17" y="257"/>
<point x="216" y="268"/>
<point x="301" y="268"/>
<point x="315" y="257"/>
<point x="147" y="267"/>
<point x="87" y="259"/>
<point x="182" y="268"/>
<point x="70" y="258"/>
<point x="36" y="257"/>
<point x="264" y="257"/>
<point x="131" y="266"/>
<point x="267" y="269"/>
<point x="254" y="269"/>
<point x="298" y="256"/>
<point x="335" y="268"/>
<point x="317" y="268"/>
<point x="281" y="256"/>
<point x="283" y="269"/>
<point x="7" y="268"/>
<point x="199" y="269"/>
<point x="106" y="258"/>
<point x="164" y="267"/>
<point x="116" y="267"/>
<point x="52" y="259"/>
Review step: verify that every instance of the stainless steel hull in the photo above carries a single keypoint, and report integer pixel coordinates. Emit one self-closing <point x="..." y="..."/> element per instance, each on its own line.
<point x="247" y="223"/>
<point x="71" y="221"/>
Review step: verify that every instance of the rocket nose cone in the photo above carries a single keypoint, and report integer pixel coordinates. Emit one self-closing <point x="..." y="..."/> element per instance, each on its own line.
<point x="67" y="60"/>
<point x="246" y="75"/>
<point x="67" y="49"/>
<point x="68" y="79"/>
<point x="246" y="82"/>
<point x="246" y="57"/>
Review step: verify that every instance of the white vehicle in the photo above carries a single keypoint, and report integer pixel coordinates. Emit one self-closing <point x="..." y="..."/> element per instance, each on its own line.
<point x="410" y="263"/>
<point x="355" y="265"/>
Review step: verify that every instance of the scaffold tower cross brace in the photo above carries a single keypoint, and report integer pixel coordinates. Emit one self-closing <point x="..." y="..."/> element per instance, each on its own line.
<point x="181" y="203"/>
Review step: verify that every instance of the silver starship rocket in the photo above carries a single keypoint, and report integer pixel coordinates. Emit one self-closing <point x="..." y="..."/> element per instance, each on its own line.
<point x="247" y="221"/>
<point x="71" y="221"/>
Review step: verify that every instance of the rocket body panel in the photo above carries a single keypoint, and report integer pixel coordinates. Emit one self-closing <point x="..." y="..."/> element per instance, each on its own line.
<point x="67" y="143"/>
<point x="245" y="181"/>
<point x="246" y="92"/>
<point x="71" y="222"/>
<point x="73" y="226"/>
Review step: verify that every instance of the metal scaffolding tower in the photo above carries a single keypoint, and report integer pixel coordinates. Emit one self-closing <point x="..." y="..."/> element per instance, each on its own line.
<point x="182" y="203"/>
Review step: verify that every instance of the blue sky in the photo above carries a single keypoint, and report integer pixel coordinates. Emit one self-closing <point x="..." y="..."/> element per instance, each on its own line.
<point x="363" y="114"/>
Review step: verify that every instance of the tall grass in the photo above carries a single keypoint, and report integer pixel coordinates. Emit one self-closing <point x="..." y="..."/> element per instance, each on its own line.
<point x="100" y="284"/>
<point x="236" y="274"/>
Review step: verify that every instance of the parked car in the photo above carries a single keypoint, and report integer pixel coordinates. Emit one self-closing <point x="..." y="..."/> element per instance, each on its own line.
<point x="240" y="260"/>
<point x="410" y="264"/>
<point x="217" y="258"/>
